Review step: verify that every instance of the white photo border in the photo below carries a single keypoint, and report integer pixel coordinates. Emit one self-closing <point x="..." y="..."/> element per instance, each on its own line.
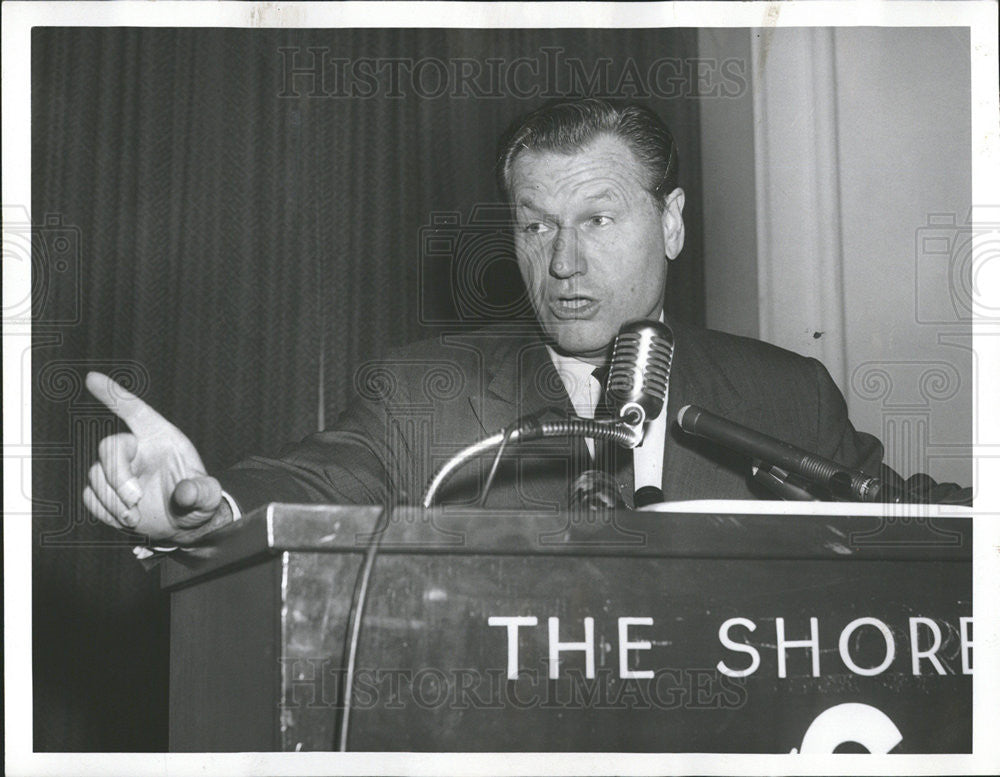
<point x="981" y="20"/>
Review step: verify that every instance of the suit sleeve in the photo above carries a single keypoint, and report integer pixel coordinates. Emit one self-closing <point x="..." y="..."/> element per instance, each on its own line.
<point x="365" y="458"/>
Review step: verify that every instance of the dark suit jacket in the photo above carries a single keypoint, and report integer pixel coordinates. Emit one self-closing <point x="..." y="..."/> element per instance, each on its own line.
<point x="427" y="401"/>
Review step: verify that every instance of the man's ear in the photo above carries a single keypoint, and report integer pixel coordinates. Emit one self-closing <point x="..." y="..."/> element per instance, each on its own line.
<point x="673" y="223"/>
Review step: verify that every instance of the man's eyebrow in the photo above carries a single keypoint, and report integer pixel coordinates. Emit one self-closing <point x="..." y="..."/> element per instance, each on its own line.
<point x="527" y="202"/>
<point x="604" y="194"/>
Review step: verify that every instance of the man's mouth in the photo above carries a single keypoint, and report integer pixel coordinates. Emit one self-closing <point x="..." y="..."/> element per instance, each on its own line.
<point x="573" y="306"/>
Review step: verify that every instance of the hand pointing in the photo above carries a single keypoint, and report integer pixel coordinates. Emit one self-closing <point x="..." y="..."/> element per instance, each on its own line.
<point x="152" y="479"/>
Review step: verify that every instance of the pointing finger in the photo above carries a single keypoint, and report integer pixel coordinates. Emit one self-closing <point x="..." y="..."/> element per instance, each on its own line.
<point x="139" y="416"/>
<point x="106" y="495"/>
<point x="117" y="454"/>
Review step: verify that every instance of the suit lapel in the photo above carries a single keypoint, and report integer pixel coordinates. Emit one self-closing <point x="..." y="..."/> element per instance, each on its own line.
<point x="520" y="380"/>
<point x="696" y="377"/>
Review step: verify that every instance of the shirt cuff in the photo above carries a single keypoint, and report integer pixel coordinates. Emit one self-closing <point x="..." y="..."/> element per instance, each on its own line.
<point x="235" y="508"/>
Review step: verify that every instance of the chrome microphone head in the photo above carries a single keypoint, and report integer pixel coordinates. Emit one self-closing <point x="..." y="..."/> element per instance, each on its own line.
<point x="640" y="370"/>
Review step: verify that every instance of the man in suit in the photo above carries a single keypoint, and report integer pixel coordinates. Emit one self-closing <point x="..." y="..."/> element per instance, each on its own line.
<point x="597" y="217"/>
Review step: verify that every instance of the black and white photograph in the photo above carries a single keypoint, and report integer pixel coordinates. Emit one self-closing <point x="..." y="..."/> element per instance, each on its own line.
<point x="521" y="388"/>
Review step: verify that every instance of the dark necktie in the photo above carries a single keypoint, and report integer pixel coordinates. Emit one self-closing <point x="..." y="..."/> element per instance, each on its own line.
<point x="609" y="457"/>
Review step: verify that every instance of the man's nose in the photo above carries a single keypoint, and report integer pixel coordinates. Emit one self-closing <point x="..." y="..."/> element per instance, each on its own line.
<point x="567" y="258"/>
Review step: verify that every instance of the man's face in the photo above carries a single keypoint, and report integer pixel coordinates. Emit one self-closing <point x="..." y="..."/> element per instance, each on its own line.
<point x="591" y="243"/>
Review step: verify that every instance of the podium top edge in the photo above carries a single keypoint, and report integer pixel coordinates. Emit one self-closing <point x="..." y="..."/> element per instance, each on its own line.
<point x="772" y="531"/>
<point x="280" y="510"/>
<point x="763" y="507"/>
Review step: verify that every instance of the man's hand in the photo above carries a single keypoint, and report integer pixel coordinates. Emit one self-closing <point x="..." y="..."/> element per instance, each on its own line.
<point x="152" y="480"/>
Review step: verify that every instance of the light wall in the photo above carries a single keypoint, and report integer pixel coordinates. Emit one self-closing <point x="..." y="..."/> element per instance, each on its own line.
<point x="830" y="183"/>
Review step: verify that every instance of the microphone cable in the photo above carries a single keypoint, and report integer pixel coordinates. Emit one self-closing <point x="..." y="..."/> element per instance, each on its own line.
<point x="496" y="465"/>
<point x="353" y="634"/>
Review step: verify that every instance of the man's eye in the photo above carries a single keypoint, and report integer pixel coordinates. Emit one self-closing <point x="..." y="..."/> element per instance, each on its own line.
<point x="536" y="227"/>
<point x="601" y="221"/>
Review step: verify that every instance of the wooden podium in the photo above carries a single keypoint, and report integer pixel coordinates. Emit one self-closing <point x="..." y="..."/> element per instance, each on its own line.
<point x="695" y="627"/>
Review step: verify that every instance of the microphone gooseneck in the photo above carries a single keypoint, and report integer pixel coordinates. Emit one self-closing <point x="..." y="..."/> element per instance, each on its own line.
<point x="533" y="429"/>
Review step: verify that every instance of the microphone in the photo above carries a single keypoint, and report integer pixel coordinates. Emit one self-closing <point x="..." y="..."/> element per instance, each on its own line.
<point x="843" y="482"/>
<point x="639" y="375"/>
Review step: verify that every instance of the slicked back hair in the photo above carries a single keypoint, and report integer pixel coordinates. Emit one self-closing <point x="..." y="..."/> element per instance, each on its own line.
<point x="567" y="127"/>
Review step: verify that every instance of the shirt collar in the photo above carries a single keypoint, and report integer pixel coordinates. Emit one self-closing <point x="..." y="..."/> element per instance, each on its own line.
<point x="577" y="377"/>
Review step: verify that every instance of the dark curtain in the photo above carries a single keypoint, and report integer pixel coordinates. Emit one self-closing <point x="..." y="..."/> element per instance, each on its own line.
<point x="231" y="241"/>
